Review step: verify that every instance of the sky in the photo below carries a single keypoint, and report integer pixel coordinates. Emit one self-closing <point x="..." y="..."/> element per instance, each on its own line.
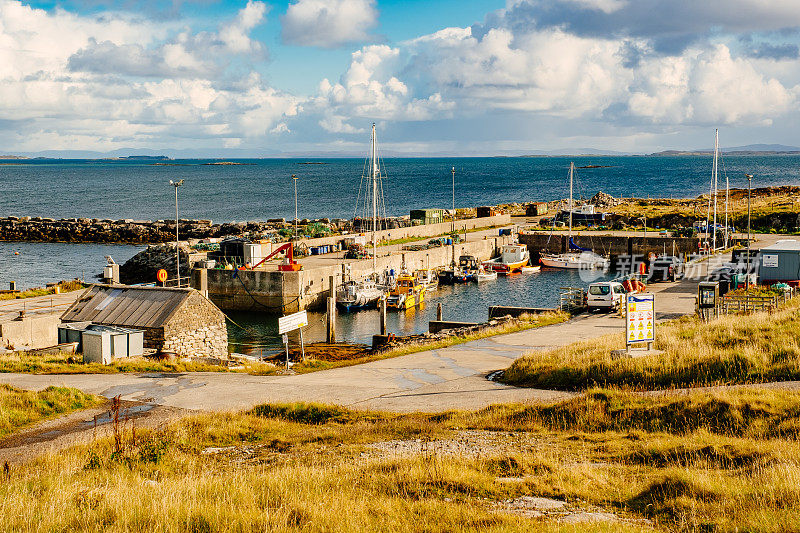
<point x="473" y="77"/>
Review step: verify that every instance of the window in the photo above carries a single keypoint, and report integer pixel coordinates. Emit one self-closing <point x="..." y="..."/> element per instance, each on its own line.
<point x="599" y="290"/>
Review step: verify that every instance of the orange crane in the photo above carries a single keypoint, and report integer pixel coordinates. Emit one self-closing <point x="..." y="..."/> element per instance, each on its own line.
<point x="291" y="266"/>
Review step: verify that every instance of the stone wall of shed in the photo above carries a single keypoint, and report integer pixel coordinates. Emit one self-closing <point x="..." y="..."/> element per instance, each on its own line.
<point x="197" y="329"/>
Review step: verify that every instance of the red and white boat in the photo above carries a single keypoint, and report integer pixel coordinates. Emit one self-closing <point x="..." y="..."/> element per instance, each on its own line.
<point x="512" y="258"/>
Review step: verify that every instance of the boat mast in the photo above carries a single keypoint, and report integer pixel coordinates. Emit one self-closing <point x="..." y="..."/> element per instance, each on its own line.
<point x="716" y="190"/>
<point x="373" y="172"/>
<point x="571" y="170"/>
<point x="727" y="197"/>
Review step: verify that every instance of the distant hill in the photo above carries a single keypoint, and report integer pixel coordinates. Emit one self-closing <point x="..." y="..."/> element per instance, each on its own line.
<point x="750" y="149"/>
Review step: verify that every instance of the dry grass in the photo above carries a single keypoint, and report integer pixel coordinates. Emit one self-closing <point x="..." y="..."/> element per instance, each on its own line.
<point x="758" y="348"/>
<point x="20" y="408"/>
<point x="309" y="468"/>
<point x="64" y="286"/>
<point x="73" y="364"/>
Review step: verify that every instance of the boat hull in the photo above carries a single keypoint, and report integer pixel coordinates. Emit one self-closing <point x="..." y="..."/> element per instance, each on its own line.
<point x="505" y="268"/>
<point x="575" y="262"/>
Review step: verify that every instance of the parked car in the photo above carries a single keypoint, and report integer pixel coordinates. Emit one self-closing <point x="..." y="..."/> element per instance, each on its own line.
<point x="667" y="268"/>
<point x="605" y="295"/>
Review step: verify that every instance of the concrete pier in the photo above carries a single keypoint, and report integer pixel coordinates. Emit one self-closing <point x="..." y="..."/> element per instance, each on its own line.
<point x="287" y="292"/>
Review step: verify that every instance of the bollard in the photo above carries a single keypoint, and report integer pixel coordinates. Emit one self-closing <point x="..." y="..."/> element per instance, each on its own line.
<point x="439" y="312"/>
<point x="383" y="315"/>
<point x="331" y="320"/>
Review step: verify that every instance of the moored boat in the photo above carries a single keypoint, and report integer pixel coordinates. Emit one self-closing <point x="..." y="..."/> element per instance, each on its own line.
<point x="355" y="295"/>
<point x="407" y="293"/>
<point x="512" y="258"/>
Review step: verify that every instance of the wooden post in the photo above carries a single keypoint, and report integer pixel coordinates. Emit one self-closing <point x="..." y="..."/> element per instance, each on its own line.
<point x="383" y="315"/>
<point x="331" y="319"/>
<point x="286" y="343"/>
<point x="439" y="312"/>
<point x="302" y="346"/>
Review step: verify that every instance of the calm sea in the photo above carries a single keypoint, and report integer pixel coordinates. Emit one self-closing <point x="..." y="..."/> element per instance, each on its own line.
<point x="262" y="189"/>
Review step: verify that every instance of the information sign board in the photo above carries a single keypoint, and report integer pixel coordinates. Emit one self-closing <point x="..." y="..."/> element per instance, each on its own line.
<point x="640" y="318"/>
<point x="292" y="322"/>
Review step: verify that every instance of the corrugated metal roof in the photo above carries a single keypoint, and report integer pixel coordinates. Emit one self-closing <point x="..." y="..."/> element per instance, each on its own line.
<point x="786" y="244"/>
<point x="140" y="307"/>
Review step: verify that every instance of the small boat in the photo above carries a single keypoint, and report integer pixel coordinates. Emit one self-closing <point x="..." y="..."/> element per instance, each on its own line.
<point x="407" y="293"/>
<point x="464" y="272"/>
<point x="575" y="261"/>
<point x="512" y="258"/>
<point x="531" y="269"/>
<point x="484" y="275"/>
<point x="427" y="278"/>
<point x="355" y="295"/>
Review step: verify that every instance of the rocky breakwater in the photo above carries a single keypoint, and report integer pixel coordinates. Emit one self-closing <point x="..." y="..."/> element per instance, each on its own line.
<point x="93" y="230"/>
<point x="142" y="267"/>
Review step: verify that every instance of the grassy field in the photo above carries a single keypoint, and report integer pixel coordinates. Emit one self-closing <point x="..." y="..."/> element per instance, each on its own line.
<point x="758" y="348"/>
<point x="72" y="364"/>
<point x="19" y="408"/>
<point x="700" y="462"/>
<point x="66" y="286"/>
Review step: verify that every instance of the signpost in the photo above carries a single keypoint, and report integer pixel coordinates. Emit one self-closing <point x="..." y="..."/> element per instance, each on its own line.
<point x="640" y="320"/>
<point x="290" y="323"/>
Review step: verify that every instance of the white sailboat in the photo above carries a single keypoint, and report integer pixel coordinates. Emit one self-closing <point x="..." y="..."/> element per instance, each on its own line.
<point x="713" y="195"/>
<point x="364" y="294"/>
<point x="581" y="259"/>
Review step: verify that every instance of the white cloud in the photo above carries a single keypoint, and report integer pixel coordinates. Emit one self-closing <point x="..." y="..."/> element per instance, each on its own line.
<point x="329" y="23"/>
<point x="72" y="81"/>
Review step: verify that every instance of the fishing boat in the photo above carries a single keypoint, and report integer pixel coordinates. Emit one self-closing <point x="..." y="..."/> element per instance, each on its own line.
<point x="407" y="293"/>
<point x="464" y="272"/>
<point x="428" y="278"/>
<point x="577" y="258"/>
<point x="485" y="275"/>
<point x="512" y="258"/>
<point x="365" y="294"/>
<point x="355" y="295"/>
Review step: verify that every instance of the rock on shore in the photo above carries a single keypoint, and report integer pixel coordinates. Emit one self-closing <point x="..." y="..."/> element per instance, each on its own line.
<point x="142" y="267"/>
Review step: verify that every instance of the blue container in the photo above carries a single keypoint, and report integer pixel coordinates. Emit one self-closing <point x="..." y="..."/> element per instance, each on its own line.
<point x="326" y="249"/>
<point x="500" y="232"/>
<point x="314" y="250"/>
<point x="449" y="242"/>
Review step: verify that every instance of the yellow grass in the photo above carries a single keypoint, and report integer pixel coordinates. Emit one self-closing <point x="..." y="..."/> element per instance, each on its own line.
<point x="758" y="348"/>
<point x="311" y="468"/>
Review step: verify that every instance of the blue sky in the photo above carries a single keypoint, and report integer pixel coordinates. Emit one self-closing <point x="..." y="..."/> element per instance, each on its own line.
<point x="470" y="77"/>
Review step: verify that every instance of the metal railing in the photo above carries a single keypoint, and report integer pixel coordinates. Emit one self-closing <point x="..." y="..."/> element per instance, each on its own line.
<point x="745" y="304"/>
<point x="572" y="299"/>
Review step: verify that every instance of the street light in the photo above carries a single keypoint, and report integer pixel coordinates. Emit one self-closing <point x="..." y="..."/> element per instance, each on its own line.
<point x="453" y="216"/>
<point x="177" y="184"/>
<point x="749" y="259"/>
<point x="295" y="178"/>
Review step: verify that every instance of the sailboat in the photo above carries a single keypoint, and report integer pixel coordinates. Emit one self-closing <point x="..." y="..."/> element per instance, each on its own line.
<point x="713" y="194"/>
<point x="576" y="258"/>
<point x="365" y="294"/>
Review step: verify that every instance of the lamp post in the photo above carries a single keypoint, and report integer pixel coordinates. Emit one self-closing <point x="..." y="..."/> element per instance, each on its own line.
<point x="177" y="184"/>
<point x="749" y="259"/>
<point x="453" y="216"/>
<point x="294" y="178"/>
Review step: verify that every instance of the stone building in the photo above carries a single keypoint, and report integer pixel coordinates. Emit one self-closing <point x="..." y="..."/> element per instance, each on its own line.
<point x="179" y="321"/>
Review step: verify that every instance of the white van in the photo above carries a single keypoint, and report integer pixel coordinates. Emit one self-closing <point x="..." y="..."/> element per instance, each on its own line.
<point x="605" y="295"/>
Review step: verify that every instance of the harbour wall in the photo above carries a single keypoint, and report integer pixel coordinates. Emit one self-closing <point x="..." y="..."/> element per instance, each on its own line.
<point x="614" y="245"/>
<point x="288" y="292"/>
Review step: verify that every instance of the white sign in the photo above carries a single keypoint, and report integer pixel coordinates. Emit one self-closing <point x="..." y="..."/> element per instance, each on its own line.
<point x="292" y="322"/>
<point x="770" y="260"/>
<point x="640" y="318"/>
